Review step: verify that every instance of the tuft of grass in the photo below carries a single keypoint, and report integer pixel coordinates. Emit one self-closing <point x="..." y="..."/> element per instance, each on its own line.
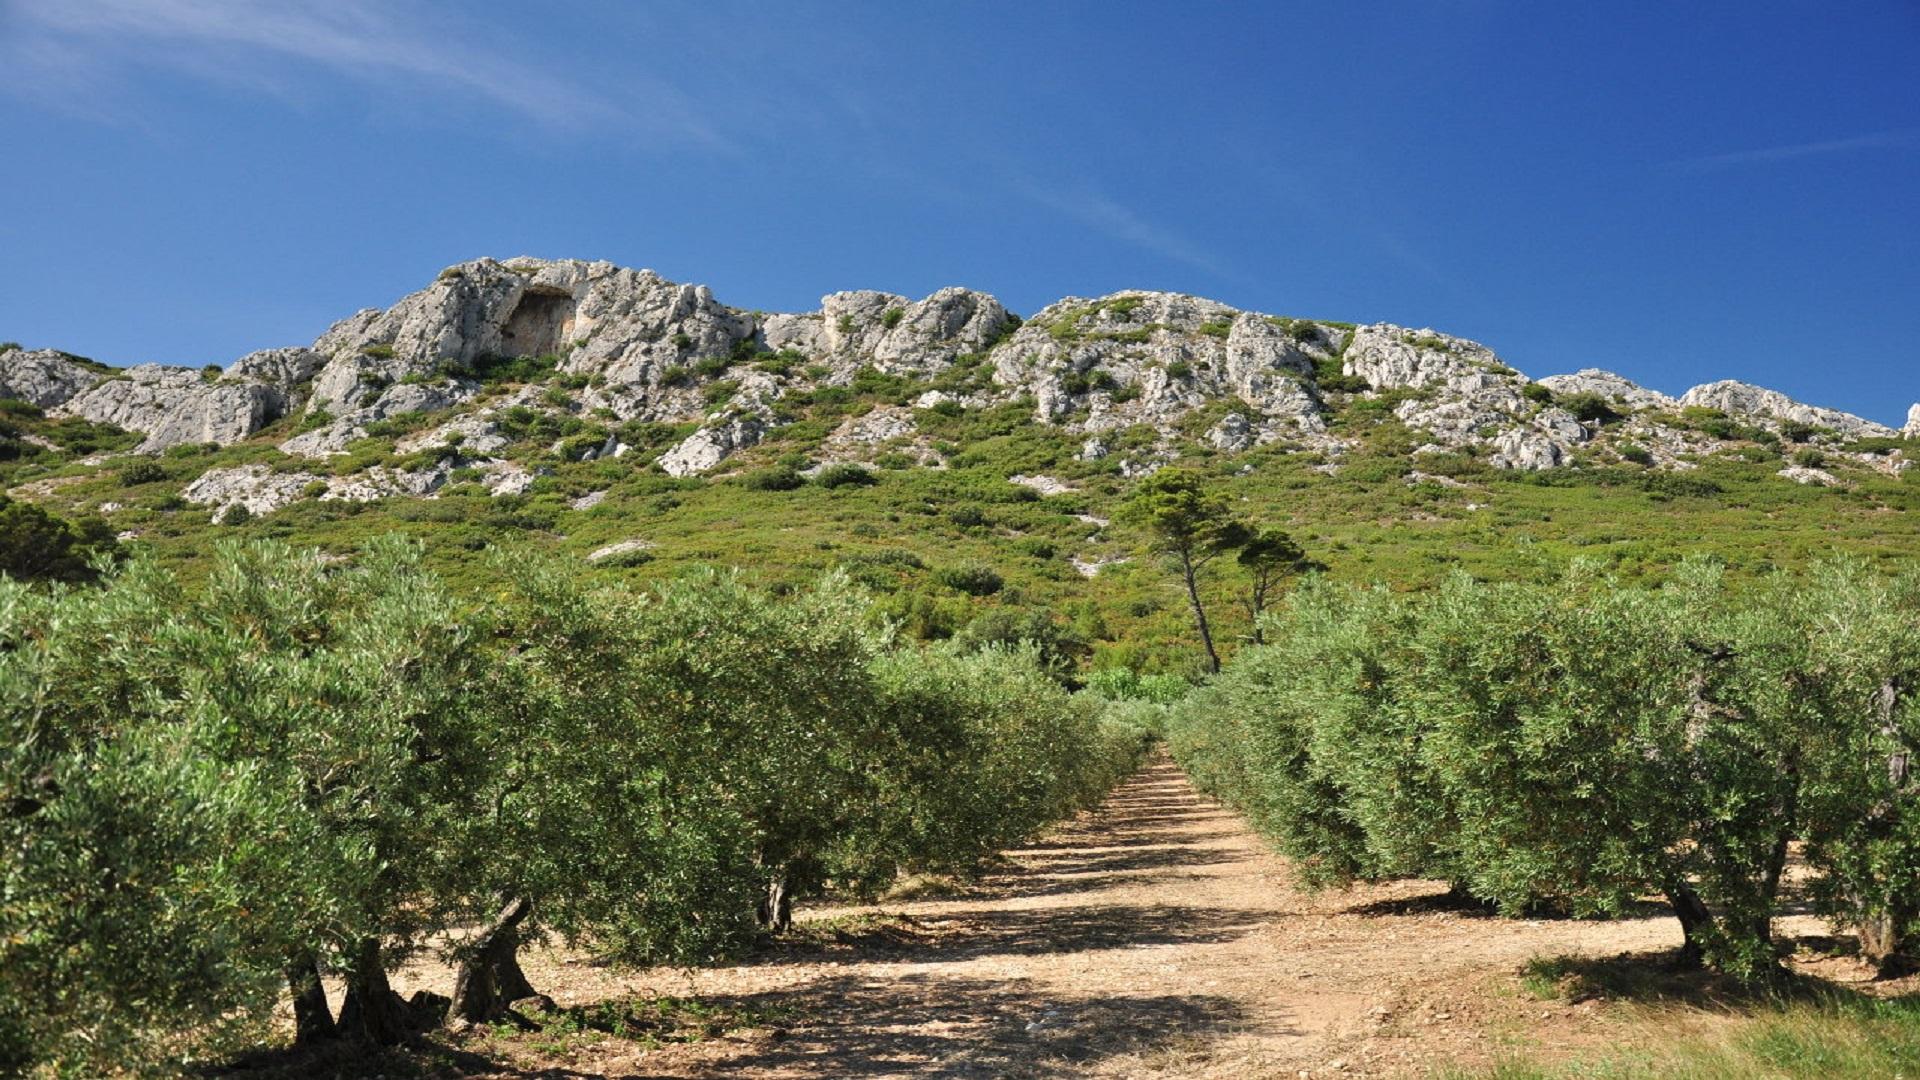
<point x="1789" y="1032"/>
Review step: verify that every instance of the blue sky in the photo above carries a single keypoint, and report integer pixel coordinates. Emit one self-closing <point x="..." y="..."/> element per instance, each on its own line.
<point x="1678" y="192"/>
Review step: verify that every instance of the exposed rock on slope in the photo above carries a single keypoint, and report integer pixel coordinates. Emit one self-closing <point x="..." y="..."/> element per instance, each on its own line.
<point x="1755" y="402"/>
<point x="1610" y="386"/>
<point x="44" y="377"/>
<point x="1152" y="358"/>
<point x="554" y="343"/>
<point x="179" y="405"/>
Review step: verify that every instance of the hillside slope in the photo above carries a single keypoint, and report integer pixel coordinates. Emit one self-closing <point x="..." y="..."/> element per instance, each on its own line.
<point x="642" y="424"/>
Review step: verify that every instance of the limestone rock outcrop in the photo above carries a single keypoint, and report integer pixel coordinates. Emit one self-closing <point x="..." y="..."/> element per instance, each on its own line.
<point x="575" y="350"/>
<point x="894" y="334"/>
<point x="1153" y="357"/>
<point x="172" y="405"/>
<point x="1613" y="387"/>
<point x="711" y="445"/>
<point x="1752" y="402"/>
<point x="44" y="377"/>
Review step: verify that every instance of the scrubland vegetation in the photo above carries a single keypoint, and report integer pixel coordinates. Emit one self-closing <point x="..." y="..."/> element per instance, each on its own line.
<point x="214" y="791"/>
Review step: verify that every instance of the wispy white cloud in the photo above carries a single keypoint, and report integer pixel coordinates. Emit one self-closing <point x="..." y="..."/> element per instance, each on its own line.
<point x="1877" y="140"/>
<point x="87" y="48"/>
<point x="1104" y="215"/>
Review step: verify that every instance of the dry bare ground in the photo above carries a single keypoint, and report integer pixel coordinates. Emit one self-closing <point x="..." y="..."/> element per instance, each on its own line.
<point x="1154" y="937"/>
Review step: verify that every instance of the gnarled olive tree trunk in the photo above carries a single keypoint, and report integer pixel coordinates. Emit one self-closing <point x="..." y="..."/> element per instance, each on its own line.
<point x="489" y="978"/>
<point x="312" y="1017"/>
<point x="1695" y="922"/>
<point x="1883" y="921"/>
<point x="775" y="909"/>
<point x="372" y="1013"/>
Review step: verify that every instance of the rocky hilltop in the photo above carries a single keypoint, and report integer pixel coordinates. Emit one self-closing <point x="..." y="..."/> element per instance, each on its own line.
<point x="1135" y="374"/>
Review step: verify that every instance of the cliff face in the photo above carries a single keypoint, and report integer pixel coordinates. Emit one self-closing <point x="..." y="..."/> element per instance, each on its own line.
<point x="628" y="345"/>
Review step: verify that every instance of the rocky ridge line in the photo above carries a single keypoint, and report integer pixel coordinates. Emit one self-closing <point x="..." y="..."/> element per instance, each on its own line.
<point x="630" y="345"/>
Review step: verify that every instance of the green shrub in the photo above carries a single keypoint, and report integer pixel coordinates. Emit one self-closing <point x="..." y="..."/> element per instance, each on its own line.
<point x="38" y="546"/>
<point x="1590" y="408"/>
<point x="974" y="579"/>
<point x="892" y="317"/>
<point x="1809" y="458"/>
<point x="774" y="478"/>
<point x="845" y="474"/>
<point x="144" y="471"/>
<point x="1329" y="377"/>
<point x="379" y="351"/>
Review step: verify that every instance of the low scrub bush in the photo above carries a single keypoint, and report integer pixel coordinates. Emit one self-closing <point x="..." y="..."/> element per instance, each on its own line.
<point x="845" y="475"/>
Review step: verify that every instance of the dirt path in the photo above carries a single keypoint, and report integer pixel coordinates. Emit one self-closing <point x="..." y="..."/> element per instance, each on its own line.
<point x="1154" y="937"/>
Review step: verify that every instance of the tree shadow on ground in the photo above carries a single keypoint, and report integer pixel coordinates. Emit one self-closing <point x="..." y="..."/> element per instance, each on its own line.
<point x="849" y="1026"/>
<point x="1444" y="901"/>
<point x="431" y="1055"/>
<point x="1659" y="977"/>
<point x="1143" y="857"/>
<point x="925" y="1025"/>
<point x="970" y="935"/>
<point x="1066" y="885"/>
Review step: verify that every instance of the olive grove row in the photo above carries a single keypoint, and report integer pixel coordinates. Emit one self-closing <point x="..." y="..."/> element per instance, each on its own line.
<point x="1582" y="746"/>
<point x="209" y="795"/>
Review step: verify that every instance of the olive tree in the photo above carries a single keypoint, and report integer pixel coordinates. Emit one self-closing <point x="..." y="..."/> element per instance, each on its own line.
<point x="1861" y="798"/>
<point x="765" y="707"/>
<point x="584" y="832"/>
<point x="151" y="885"/>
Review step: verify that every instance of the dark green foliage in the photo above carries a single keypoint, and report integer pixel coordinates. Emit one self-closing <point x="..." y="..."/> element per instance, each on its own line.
<point x="1809" y="458"/>
<point x="1056" y="647"/>
<point x="892" y="317"/>
<point x="144" y="471"/>
<point x="1328" y="377"/>
<point x="37" y="546"/>
<point x="298" y="763"/>
<point x="774" y="478"/>
<point x="1581" y="744"/>
<point x="495" y="370"/>
<point x="1589" y="407"/>
<point x="1534" y="391"/>
<point x="974" y="579"/>
<point x="845" y="475"/>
